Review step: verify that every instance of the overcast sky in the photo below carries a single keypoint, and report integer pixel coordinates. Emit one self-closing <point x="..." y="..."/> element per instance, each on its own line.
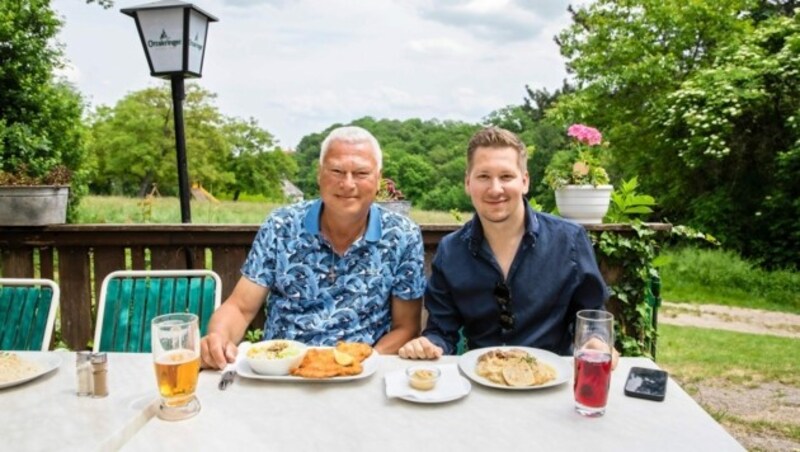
<point x="298" y="66"/>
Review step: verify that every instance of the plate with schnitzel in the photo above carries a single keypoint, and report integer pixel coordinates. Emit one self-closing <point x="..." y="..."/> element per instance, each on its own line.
<point x="345" y="362"/>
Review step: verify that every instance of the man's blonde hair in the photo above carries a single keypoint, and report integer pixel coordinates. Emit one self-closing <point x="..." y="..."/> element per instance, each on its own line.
<point x="496" y="137"/>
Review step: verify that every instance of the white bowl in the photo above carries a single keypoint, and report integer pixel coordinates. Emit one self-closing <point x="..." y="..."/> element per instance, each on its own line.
<point x="265" y="357"/>
<point x="423" y="377"/>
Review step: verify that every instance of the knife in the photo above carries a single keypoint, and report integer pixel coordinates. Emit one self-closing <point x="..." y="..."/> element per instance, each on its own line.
<point x="228" y="374"/>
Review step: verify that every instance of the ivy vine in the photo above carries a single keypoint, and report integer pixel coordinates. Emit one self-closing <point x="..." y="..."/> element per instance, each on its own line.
<point x="626" y="259"/>
<point x="629" y="261"/>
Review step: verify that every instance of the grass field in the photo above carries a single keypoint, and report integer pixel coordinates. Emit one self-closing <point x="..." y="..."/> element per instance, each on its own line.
<point x="740" y="358"/>
<point x="116" y="209"/>
<point x="702" y="359"/>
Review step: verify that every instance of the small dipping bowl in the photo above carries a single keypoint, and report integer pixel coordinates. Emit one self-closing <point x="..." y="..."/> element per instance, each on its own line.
<point x="423" y="378"/>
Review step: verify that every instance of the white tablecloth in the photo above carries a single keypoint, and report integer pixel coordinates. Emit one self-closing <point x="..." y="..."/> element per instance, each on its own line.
<point x="357" y="416"/>
<point x="45" y="414"/>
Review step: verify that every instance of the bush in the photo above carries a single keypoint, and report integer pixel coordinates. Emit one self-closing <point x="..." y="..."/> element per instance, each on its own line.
<point x="723" y="277"/>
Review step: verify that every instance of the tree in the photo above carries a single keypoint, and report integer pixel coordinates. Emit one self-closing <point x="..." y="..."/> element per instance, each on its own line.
<point x="411" y="172"/>
<point x="626" y="57"/>
<point x="735" y="128"/>
<point x="419" y="155"/>
<point x="698" y="100"/>
<point x="40" y="115"/>
<point x="133" y="147"/>
<point x="257" y="164"/>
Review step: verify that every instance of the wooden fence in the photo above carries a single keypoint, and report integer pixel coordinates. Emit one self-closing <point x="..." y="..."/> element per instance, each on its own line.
<point x="78" y="258"/>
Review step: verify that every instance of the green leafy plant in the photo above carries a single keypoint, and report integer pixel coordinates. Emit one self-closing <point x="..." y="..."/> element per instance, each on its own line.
<point x="388" y="191"/>
<point x="627" y="205"/>
<point x="632" y="255"/>
<point x="581" y="163"/>
<point x="535" y="205"/>
<point x="254" y="335"/>
<point x="633" y="260"/>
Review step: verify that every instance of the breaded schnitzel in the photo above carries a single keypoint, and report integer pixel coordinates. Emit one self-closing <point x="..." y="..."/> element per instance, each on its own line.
<point x="358" y="350"/>
<point x="320" y="363"/>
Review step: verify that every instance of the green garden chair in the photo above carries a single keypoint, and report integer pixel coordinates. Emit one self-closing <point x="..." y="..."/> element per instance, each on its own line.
<point x="27" y="313"/>
<point x="129" y="299"/>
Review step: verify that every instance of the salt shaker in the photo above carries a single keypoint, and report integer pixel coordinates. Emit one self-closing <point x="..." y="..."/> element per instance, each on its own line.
<point x="100" y="374"/>
<point x="83" y="374"/>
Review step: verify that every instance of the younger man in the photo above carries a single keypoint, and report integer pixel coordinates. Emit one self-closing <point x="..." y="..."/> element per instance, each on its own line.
<point x="511" y="275"/>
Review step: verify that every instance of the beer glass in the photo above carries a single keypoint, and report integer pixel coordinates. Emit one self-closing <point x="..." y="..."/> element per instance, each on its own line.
<point x="594" y="342"/>
<point x="176" y="354"/>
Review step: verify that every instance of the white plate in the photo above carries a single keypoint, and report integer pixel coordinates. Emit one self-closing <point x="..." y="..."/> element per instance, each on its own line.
<point x="47" y="362"/>
<point x="469" y="360"/>
<point x="370" y="365"/>
<point x="450" y="397"/>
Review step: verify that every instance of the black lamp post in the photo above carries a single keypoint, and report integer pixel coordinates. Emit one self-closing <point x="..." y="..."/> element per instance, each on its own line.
<point x="173" y="34"/>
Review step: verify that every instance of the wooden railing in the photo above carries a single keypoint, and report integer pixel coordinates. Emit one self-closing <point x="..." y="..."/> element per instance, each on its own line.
<point x="78" y="258"/>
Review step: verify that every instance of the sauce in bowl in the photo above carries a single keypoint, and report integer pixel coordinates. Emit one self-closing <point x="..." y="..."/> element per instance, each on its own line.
<point x="423" y="378"/>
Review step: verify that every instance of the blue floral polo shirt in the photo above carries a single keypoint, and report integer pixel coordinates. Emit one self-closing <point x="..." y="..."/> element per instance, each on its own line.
<point x="318" y="297"/>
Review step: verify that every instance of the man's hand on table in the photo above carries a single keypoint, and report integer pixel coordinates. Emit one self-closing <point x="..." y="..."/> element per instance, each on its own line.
<point x="420" y="348"/>
<point x="597" y="344"/>
<point x="216" y="351"/>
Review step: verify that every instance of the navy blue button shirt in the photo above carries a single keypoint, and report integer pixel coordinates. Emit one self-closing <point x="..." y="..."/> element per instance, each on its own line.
<point x="553" y="275"/>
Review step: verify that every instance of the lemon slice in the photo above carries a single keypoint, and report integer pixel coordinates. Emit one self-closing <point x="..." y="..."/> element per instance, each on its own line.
<point x="342" y="358"/>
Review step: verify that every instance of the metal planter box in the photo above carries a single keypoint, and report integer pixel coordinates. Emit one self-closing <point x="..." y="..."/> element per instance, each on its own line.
<point x="38" y="205"/>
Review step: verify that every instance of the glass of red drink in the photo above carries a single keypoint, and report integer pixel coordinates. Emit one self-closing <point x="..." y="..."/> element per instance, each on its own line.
<point x="594" y="339"/>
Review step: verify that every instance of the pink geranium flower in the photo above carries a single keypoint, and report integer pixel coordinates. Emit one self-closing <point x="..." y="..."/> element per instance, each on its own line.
<point x="585" y="134"/>
<point x="581" y="162"/>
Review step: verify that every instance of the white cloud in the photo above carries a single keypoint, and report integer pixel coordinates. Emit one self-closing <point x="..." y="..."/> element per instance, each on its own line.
<point x="299" y="66"/>
<point x="496" y="20"/>
<point x="438" y="47"/>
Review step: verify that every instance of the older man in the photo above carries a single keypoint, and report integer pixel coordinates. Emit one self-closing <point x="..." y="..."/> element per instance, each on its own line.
<point x="336" y="268"/>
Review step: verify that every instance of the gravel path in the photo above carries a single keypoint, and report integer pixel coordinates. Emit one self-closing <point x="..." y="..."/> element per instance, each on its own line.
<point x="770" y="402"/>
<point x="743" y="320"/>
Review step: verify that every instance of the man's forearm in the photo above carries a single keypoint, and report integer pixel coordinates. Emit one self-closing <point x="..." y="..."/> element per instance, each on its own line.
<point x="228" y="322"/>
<point x="394" y="339"/>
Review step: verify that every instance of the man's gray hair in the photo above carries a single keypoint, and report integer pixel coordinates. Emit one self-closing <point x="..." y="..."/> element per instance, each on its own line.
<point x="351" y="135"/>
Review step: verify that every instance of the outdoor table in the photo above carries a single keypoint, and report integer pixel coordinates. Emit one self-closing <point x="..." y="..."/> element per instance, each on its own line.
<point x="46" y="414"/>
<point x="356" y="415"/>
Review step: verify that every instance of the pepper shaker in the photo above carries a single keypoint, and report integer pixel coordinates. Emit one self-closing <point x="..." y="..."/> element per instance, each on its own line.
<point x="83" y="374"/>
<point x="100" y="374"/>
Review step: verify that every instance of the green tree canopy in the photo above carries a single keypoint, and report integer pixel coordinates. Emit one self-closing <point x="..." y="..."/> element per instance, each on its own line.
<point x="133" y="146"/>
<point x="40" y="115"/>
<point x="257" y="164"/>
<point x="697" y="99"/>
<point x="424" y="158"/>
<point x="735" y="128"/>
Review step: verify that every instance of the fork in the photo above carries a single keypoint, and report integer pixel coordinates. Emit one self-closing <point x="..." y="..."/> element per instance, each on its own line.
<point x="228" y="374"/>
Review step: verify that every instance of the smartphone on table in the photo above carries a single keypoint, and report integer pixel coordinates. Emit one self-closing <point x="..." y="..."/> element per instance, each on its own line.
<point x="645" y="383"/>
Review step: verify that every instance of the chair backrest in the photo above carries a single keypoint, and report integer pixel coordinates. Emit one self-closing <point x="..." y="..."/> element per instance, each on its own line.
<point x="27" y="313"/>
<point x="129" y="299"/>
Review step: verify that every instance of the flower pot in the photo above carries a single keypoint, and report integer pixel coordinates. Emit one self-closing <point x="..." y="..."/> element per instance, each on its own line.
<point x="36" y="205"/>
<point x="585" y="204"/>
<point x="401" y="207"/>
